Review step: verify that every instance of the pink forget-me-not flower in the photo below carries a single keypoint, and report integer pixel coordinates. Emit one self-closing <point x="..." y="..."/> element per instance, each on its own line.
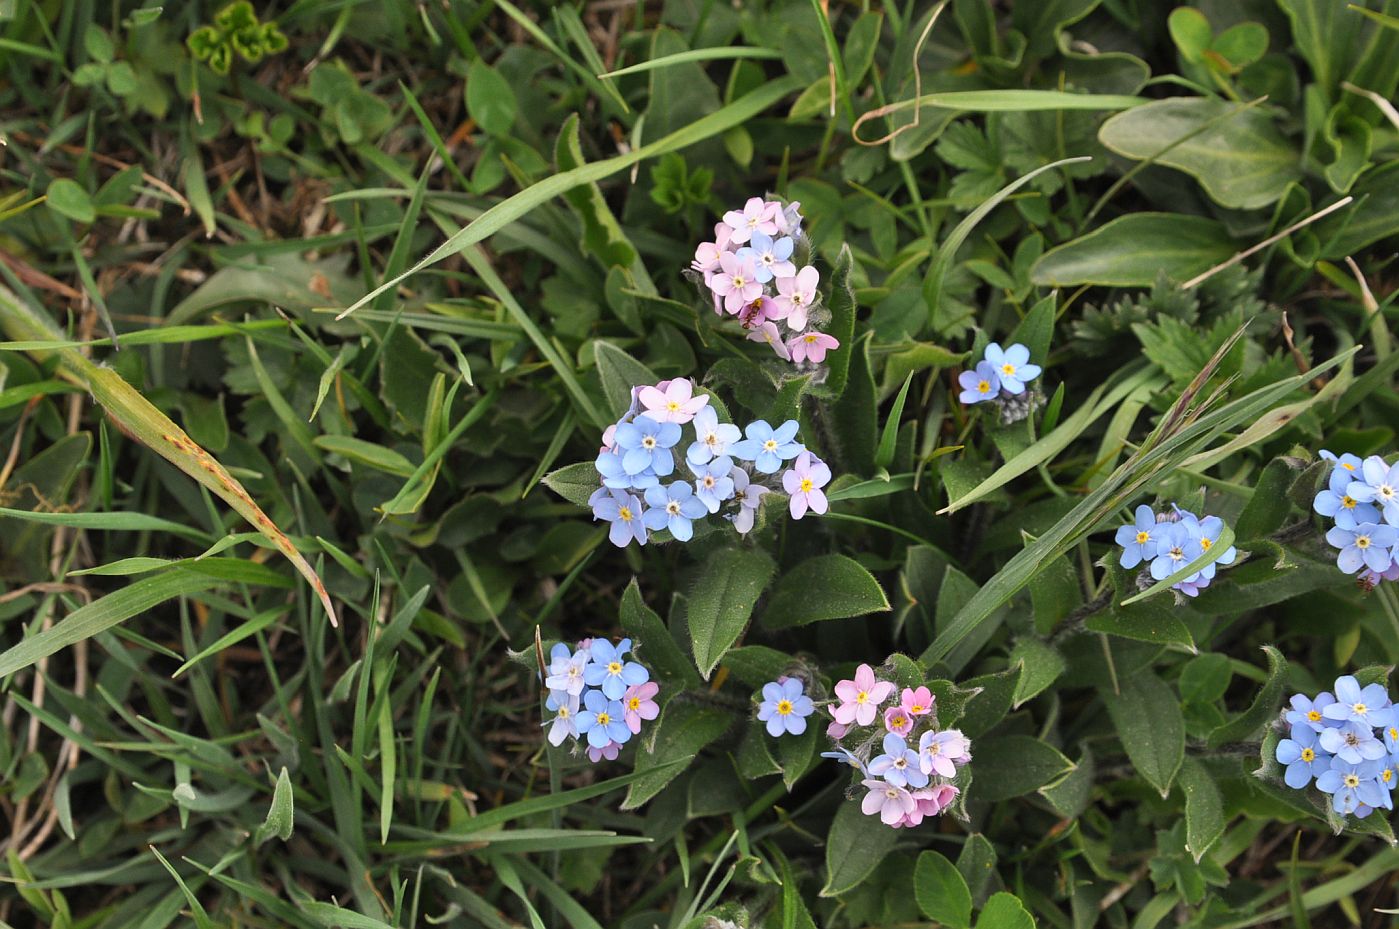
<point x="803" y="484"/>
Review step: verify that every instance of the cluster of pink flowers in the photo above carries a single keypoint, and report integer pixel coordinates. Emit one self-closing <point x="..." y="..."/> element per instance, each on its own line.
<point x="750" y="274"/>
<point x="902" y="784"/>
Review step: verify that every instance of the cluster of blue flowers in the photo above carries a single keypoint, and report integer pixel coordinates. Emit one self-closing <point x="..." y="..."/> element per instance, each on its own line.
<point x="1362" y="500"/>
<point x="1348" y="742"/>
<point x="598" y="696"/>
<point x="727" y="468"/>
<point x="1168" y="541"/>
<point x="1000" y="375"/>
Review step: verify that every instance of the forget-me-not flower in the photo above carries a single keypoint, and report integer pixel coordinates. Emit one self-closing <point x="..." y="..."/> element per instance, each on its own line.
<point x="672" y="401"/>
<point x="1352" y="742"/>
<point x="941" y="752"/>
<point x="714" y="482"/>
<point x="767" y="447"/>
<point x="1350" y="464"/>
<point x="646" y="443"/>
<point x="602" y="720"/>
<point x="1308" y="712"/>
<point x="1380" y="487"/>
<point x="1367" y="706"/>
<point x="1012" y="366"/>
<point x="1138" y="539"/>
<point x="712" y="438"/>
<point x="565" y="722"/>
<point x="796" y="294"/>
<point x="1175" y="548"/>
<point x="614" y="475"/>
<point x="1205" y="533"/>
<point x="749" y="496"/>
<point x="803" y="483"/>
<point x="1338" y="504"/>
<point x="785" y="707"/>
<point x="1304" y="757"/>
<point x="611" y="672"/>
<point x="674" y="507"/>
<point x="899" y="763"/>
<point x="770" y="257"/>
<point x="1367" y="545"/>
<point x="626" y="514"/>
<point x="566" y="670"/>
<point x="979" y="385"/>
<point x="890" y="801"/>
<point x="1351" y="784"/>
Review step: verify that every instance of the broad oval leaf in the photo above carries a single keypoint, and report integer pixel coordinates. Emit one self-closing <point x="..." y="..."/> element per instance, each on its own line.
<point x="941" y="891"/>
<point x="824" y="587"/>
<point x="1147" y="715"/>
<point x="1132" y="250"/>
<point x="718" y="611"/>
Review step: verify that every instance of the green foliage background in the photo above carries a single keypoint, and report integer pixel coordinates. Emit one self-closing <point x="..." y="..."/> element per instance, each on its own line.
<point x="195" y="433"/>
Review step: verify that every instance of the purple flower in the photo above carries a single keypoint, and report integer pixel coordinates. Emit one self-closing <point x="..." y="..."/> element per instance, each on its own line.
<point x="564" y="725"/>
<point x="767" y="447"/>
<point x="941" y="752"/>
<point x="979" y="385"/>
<point x="1012" y="366"/>
<point x="646" y="443"/>
<point x="1304" y="757"/>
<point x="795" y="297"/>
<point x="769" y="333"/>
<point x="803" y="484"/>
<point x="674" y="507"/>
<point x="812" y="346"/>
<point x="714" y="481"/>
<point x="1369" y="706"/>
<point x="626" y="514"/>
<point x="736" y="281"/>
<point x="899" y="765"/>
<point x="757" y="215"/>
<point x="749" y="496"/>
<point x="639" y="703"/>
<point x="1306" y="712"/>
<point x="769" y="256"/>
<point x="608" y="751"/>
<point x="1341" y="506"/>
<point x="890" y="802"/>
<point x="785" y="707"/>
<point x="602" y="720"/>
<point x="611" y="673"/>
<point x="712" y="438"/>
<point x="1138" y="540"/>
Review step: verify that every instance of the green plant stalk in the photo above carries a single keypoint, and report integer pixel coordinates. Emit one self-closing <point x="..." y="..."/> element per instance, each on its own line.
<point x="139" y="419"/>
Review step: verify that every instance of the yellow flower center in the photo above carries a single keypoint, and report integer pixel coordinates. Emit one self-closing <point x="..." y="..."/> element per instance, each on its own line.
<point x="862" y="697"/>
<point x="624" y="514"/>
<point x="1362" y="541"/>
<point x="1387" y="775"/>
<point x="1314" y="716"/>
<point x="1347" y="465"/>
<point x="809" y="338"/>
<point x="648" y="442"/>
<point x="1308" y="755"/>
<point x="806" y="485"/>
<point x="916" y="709"/>
<point x="1007" y="368"/>
<point x="784" y="707"/>
<point x="1143" y="537"/>
<point x="563" y="712"/>
<point x="1352" y="780"/>
<point x="614" y="667"/>
<point x="1205" y="543"/>
<point x="1360" y="709"/>
<point x="1347" y="503"/>
<point x="1177" y="554"/>
<point x="770" y="445"/>
<point x="604" y="718"/>
<point x="739" y="281"/>
<point x="1393" y="733"/>
<point x="635" y="704"/>
<point x="983" y="387"/>
<point x="672" y="406"/>
<point x="897" y="721"/>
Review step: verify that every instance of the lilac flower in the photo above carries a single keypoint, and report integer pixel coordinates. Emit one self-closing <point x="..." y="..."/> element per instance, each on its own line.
<point x="1352" y="742"/>
<point x="646" y="443"/>
<point x="933" y="800"/>
<point x="767" y="447"/>
<point x="890" y="802"/>
<point x="899" y="765"/>
<point x="757" y="216"/>
<point x="1174" y="550"/>
<point x="979" y="385"/>
<point x="1367" y="545"/>
<point x="756" y="313"/>
<point x="812" y="346"/>
<point x="614" y="474"/>
<point x="1369" y="706"/>
<point x="795" y="297"/>
<point x="1388" y="574"/>
<point x="736" y="281"/>
<point x="860" y="698"/>
<point x="1138" y="540"/>
<point x="749" y="496"/>
<point x="714" y="482"/>
<point x="1352" y="784"/>
<point x="602" y="720"/>
<point x="625" y="513"/>
<point x="566" y="670"/>
<point x="788" y="218"/>
<point x="564" y="725"/>
<point x="672" y="401"/>
<point x="917" y="702"/>
<point x="1304" y="757"/>
<point x="1336" y="503"/>
<point x="638" y="703"/>
<point x="1012" y="366"/>
<point x="898" y="721"/>
<point x="1306" y="712"/>
<point x="804" y="482"/>
<point x="712" y="438"/>
<point x="769" y="333"/>
<point x="1380" y="486"/>
<point x="608" y="751"/>
<point x="707" y="253"/>
<point x="785" y="707"/>
<point x="941" y="752"/>
<point x="674" y="507"/>
<point x="610" y="672"/>
<point x="769" y="256"/>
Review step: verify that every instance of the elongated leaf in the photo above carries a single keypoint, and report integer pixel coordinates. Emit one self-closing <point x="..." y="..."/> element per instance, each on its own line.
<point x="1132" y="250"/>
<point x="1204" y="808"/>
<point x="825" y="587"/>
<point x="1148" y="719"/>
<point x="725" y="592"/>
<point x="1251" y="721"/>
<point x="941" y="891"/>
<point x="856" y="845"/>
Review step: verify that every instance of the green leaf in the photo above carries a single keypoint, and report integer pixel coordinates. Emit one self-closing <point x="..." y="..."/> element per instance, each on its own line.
<point x="620" y="373"/>
<point x="280" y="817"/>
<point x="1012" y="765"/>
<point x="1269" y="505"/>
<point x="681" y="732"/>
<point x="990" y="706"/>
<point x="854" y="848"/>
<point x="1242" y="44"/>
<point x="66" y="197"/>
<point x="1040" y="666"/>
<point x="1133" y="250"/>
<point x="1204" y="808"/>
<point x="824" y="587"/>
<point x="976" y="862"/>
<point x="1191" y="32"/>
<point x="654" y="641"/>
<point x="728" y="586"/>
<point x="841" y="303"/>
<point x="1251" y="721"/>
<point x="116" y="607"/>
<point x="365" y="453"/>
<point x="575" y="482"/>
<point x="1147" y="716"/>
<point x="1004" y="911"/>
<point x="941" y="891"/>
<point x="490" y="100"/>
<point x="888" y="438"/>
